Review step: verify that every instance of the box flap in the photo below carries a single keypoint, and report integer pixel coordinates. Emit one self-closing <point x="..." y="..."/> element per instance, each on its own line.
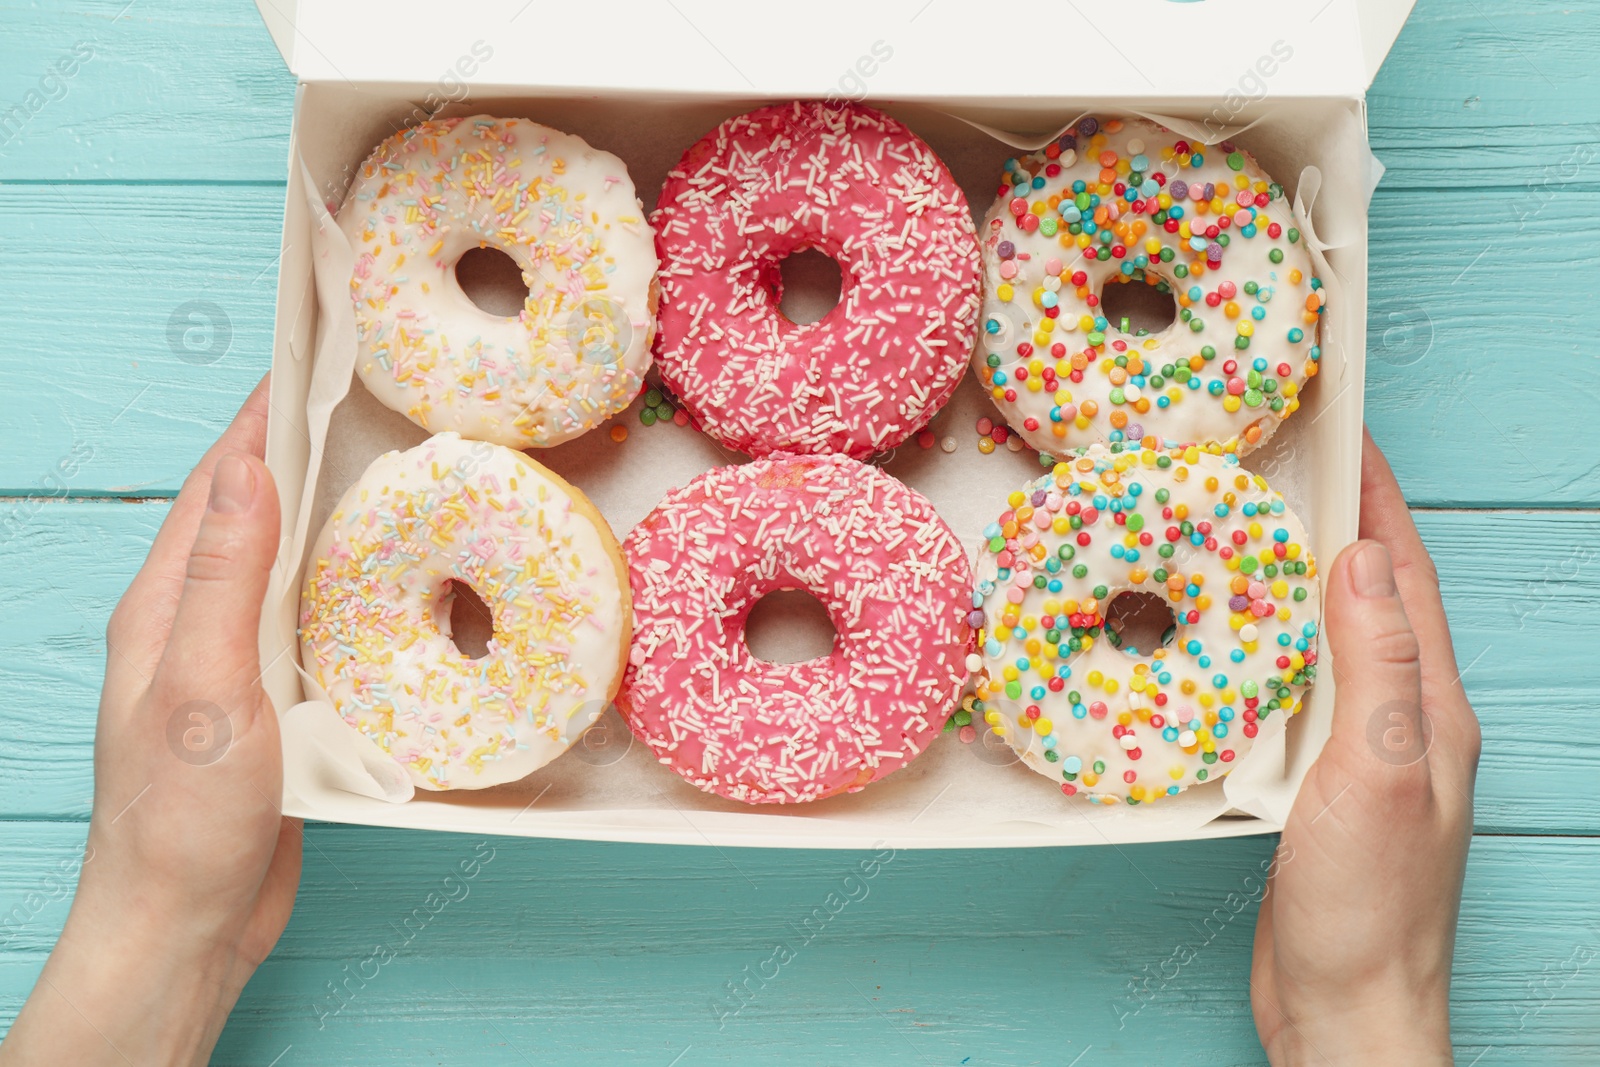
<point x="1240" y="51"/>
<point x="1380" y="25"/>
<point x="279" y="15"/>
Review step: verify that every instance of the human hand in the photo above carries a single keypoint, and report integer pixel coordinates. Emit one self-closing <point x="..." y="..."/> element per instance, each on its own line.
<point x="190" y="870"/>
<point x="1356" y="932"/>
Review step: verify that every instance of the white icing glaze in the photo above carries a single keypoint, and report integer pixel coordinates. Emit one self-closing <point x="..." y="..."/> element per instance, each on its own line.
<point x="375" y="612"/>
<point x="1043" y="296"/>
<point x="1160" y="720"/>
<point x="569" y="217"/>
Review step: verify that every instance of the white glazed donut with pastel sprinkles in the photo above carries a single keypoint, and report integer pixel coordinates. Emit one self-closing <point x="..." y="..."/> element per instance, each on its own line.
<point x="1114" y="724"/>
<point x="566" y="213"/>
<point x="1125" y="201"/>
<point x="375" y="629"/>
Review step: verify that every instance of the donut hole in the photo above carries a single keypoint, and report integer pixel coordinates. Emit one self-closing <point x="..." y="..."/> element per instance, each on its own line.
<point x="789" y="626"/>
<point x="809" y="285"/>
<point x="492" y="281"/>
<point x="471" y="622"/>
<point x="1139" y="623"/>
<point x="1137" y="308"/>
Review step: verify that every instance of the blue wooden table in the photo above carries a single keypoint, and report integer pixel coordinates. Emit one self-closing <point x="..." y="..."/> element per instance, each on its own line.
<point x="151" y="177"/>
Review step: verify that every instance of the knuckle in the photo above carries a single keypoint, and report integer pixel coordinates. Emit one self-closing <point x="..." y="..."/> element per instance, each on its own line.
<point x="1397" y="646"/>
<point x="1408" y="786"/>
<point x="1471" y="737"/>
<point x="217" y="554"/>
<point x="208" y="565"/>
<point x="1422" y="567"/>
<point x="120" y="626"/>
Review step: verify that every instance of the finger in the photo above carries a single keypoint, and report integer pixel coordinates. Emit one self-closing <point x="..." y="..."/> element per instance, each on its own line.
<point x="1377" y="715"/>
<point x="212" y="654"/>
<point x="247" y="433"/>
<point x="139" y="627"/>
<point x="1386" y="518"/>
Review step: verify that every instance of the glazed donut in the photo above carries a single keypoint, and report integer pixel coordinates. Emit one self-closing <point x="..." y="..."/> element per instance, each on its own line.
<point x="1128" y="202"/>
<point x="852" y="183"/>
<point x="566" y="213"/>
<point x="1115" y="724"/>
<point x="375" y="629"/>
<point x="895" y="582"/>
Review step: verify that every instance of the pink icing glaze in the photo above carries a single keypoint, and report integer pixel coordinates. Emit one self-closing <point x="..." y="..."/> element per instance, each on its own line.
<point x="895" y="582"/>
<point x="860" y="187"/>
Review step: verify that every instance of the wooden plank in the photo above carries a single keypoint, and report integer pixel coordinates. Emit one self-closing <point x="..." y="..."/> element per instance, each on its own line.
<point x="121" y="294"/>
<point x="1489" y="94"/>
<point x="1480" y="374"/>
<point x="168" y="91"/>
<point x="1513" y="626"/>
<point x="75" y="559"/>
<point x="561" y="951"/>
<point x="140" y="316"/>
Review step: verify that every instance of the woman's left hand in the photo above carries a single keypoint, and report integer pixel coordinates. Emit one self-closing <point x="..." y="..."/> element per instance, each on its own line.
<point x="190" y="870"/>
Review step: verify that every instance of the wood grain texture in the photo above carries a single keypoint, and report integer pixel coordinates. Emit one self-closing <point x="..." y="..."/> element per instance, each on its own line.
<point x="568" y="952"/>
<point x="1541" y="762"/>
<point x="170" y="91"/>
<point x="1472" y="411"/>
<point x="1492" y="92"/>
<point x="146" y="380"/>
<point x="144" y="315"/>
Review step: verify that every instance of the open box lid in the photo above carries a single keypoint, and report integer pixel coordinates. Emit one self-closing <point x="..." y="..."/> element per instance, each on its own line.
<point x="1082" y="50"/>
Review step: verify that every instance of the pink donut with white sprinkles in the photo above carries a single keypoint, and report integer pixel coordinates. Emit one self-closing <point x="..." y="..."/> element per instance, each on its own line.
<point x="896" y="584"/>
<point x="860" y="187"/>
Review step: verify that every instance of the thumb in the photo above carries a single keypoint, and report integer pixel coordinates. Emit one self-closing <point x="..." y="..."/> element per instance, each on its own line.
<point x="1376" y="659"/>
<point x="213" y="652"/>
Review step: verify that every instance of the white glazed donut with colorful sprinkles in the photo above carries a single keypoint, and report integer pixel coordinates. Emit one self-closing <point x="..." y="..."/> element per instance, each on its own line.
<point x="1115" y="724"/>
<point x="862" y="188"/>
<point x="895" y="581"/>
<point x="566" y="214"/>
<point x="1128" y="202"/>
<point x="375" y="629"/>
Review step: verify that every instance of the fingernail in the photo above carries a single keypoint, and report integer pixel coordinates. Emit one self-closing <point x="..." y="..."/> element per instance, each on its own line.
<point x="1371" y="572"/>
<point x="233" y="485"/>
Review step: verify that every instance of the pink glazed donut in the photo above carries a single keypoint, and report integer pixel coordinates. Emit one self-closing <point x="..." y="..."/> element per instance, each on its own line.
<point x="860" y="187"/>
<point x="895" y="582"/>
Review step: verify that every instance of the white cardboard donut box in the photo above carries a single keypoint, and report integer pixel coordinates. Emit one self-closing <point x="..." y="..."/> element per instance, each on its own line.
<point x="644" y="80"/>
